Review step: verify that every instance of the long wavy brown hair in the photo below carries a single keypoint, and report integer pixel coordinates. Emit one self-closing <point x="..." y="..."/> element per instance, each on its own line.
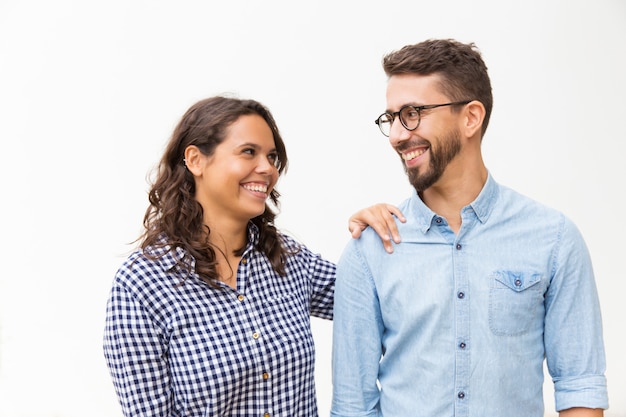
<point x="174" y="218"/>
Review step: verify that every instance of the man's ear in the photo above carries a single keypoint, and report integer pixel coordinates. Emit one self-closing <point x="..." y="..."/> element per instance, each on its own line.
<point x="194" y="160"/>
<point x="475" y="114"/>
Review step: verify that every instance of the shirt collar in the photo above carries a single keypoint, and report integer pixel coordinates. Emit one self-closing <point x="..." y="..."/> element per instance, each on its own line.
<point x="169" y="258"/>
<point x="482" y="205"/>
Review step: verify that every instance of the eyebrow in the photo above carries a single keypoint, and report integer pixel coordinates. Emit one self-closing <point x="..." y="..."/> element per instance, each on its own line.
<point x="254" y="145"/>
<point x="405" y="104"/>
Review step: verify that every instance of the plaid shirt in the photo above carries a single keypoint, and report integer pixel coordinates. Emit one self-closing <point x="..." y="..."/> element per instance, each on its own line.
<point x="194" y="350"/>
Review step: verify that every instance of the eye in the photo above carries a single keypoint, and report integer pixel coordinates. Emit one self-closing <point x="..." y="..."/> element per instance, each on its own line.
<point x="410" y="113"/>
<point x="274" y="160"/>
<point x="249" y="151"/>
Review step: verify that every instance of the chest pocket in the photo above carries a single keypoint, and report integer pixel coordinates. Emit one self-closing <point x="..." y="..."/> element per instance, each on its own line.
<point x="515" y="298"/>
<point x="287" y="317"/>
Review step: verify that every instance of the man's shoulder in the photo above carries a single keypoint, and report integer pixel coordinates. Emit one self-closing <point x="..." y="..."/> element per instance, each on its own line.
<point x="515" y="199"/>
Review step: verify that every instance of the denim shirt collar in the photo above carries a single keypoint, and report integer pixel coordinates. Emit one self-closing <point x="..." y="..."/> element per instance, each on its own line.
<point x="482" y="206"/>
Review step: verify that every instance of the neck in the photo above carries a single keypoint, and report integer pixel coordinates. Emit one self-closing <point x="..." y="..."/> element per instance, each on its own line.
<point x="455" y="189"/>
<point x="227" y="233"/>
<point x="227" y="238"/>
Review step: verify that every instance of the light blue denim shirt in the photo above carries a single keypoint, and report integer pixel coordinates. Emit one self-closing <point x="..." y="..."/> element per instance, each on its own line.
<point x="459" y="325"/>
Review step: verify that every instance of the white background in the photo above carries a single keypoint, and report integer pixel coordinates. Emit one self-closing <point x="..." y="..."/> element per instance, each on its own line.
<point x="90" y="92"/>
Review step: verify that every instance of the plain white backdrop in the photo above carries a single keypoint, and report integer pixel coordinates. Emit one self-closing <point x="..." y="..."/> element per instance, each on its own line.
<point x="90" y="92"/>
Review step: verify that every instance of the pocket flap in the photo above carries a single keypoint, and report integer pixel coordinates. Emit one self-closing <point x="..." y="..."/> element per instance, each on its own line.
<point x="517" y="281"/>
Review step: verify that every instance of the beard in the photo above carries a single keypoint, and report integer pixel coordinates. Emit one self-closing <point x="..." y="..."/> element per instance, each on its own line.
<point x="448" y="148"/>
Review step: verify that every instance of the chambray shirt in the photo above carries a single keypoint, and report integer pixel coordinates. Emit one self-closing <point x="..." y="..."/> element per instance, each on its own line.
<point x="196" y="351"/>
<point x="459" y="325"/>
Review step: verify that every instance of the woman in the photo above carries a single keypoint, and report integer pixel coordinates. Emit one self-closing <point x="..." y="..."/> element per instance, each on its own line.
<point x="210" y="317"/>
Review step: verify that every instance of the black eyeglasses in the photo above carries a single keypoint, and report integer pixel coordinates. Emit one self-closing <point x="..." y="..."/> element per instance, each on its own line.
<point x="409" y="115"/>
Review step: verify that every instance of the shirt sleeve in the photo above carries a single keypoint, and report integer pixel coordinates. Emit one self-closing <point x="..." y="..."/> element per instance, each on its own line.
<point x="319" y="275"/>
<point x="357" y="338"/>
<point x="135" y="353"/>
<point x="573" y="330"/>
<point x="322" y="288"/>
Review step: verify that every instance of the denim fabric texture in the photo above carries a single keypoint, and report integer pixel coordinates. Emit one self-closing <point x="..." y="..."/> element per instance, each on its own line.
<point x="459" y="324"/>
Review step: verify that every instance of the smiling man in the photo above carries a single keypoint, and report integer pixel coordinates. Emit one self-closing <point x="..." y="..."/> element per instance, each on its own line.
<point x="485" y="284"/>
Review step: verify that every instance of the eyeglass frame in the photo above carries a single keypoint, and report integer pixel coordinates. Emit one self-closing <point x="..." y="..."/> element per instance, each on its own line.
<point x="418" y="109"/>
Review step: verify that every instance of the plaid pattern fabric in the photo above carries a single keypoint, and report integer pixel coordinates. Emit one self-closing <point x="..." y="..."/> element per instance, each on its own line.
<point x="194" y="350"/>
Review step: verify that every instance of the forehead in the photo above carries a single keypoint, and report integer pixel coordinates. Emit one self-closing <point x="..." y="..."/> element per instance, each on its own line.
<point x="413" y="89"/>
<point x="250" y="129"/>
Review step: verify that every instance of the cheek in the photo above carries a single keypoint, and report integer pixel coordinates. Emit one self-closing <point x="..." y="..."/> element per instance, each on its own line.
<point x="274" y="180"/>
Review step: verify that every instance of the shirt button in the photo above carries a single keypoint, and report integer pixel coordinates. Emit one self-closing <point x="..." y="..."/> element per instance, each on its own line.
<point x="244" y="261"/>
<point x="462" y="345"/>
<point x="461" y="395"/>
<point x="240" y="297"/>
<point x="266" y="375"/>
<point x="518" y="282"/>
<point x="266" y="415"/>
<point x="461" y="294"/>
<point x="255" y="335"/>
<point x="458" y="246"/>
<point x="438" y="220"/>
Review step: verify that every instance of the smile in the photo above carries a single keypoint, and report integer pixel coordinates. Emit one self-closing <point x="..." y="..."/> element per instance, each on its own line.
<point x="413" y="154"/>
<point x="260" y="188"/>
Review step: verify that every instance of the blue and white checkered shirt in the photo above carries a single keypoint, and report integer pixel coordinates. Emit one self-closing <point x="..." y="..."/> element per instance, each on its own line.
<point x="194" y="350"/>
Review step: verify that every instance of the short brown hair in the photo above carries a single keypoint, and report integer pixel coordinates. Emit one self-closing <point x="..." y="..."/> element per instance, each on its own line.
<point x="461" y="68"/>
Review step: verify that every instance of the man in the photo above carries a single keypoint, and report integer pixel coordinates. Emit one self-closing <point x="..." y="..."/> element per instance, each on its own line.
<point x="485" y="284"/>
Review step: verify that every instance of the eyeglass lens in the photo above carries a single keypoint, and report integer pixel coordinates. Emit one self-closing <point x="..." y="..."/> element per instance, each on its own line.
<point x="409" y="117"/>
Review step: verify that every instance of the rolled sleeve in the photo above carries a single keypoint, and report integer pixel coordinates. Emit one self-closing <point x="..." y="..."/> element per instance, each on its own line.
<point x="573" y="331"/>
<point x="589" y="392"/>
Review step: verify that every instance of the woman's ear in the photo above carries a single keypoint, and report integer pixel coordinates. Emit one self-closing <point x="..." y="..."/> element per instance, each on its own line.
<point x="475" y="114"/>
<point x="194" y="160"/>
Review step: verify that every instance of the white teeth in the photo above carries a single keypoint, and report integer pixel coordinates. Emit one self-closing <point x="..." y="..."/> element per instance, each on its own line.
<point x="414" y="154"/>
<point x="257" y="187"/>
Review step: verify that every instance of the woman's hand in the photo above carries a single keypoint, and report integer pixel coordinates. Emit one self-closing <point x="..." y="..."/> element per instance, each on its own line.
<point x="379" y="217"/>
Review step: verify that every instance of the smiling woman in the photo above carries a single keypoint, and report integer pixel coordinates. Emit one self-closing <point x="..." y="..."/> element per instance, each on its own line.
<point x="202" y="320"/>
<point x="199" y="200"/>
<point x="236" y="180"/>
<point x="210" y="316"/>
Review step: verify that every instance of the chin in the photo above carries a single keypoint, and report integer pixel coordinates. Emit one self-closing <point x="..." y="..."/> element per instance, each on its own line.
<point x="257" y="213"/>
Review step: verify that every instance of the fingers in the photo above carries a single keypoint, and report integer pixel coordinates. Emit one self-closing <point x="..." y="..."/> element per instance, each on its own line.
<point x="391" y="224"/>
<point x="380" y="217"/>
<point x="355" y="230"/>
<point x="383" y="229"/>
<point x="396" y="212"/>
<point x="356" y="233"/>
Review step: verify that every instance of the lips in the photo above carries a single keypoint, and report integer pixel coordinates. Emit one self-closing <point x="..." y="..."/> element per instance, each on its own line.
<point x="260" y="189"/>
